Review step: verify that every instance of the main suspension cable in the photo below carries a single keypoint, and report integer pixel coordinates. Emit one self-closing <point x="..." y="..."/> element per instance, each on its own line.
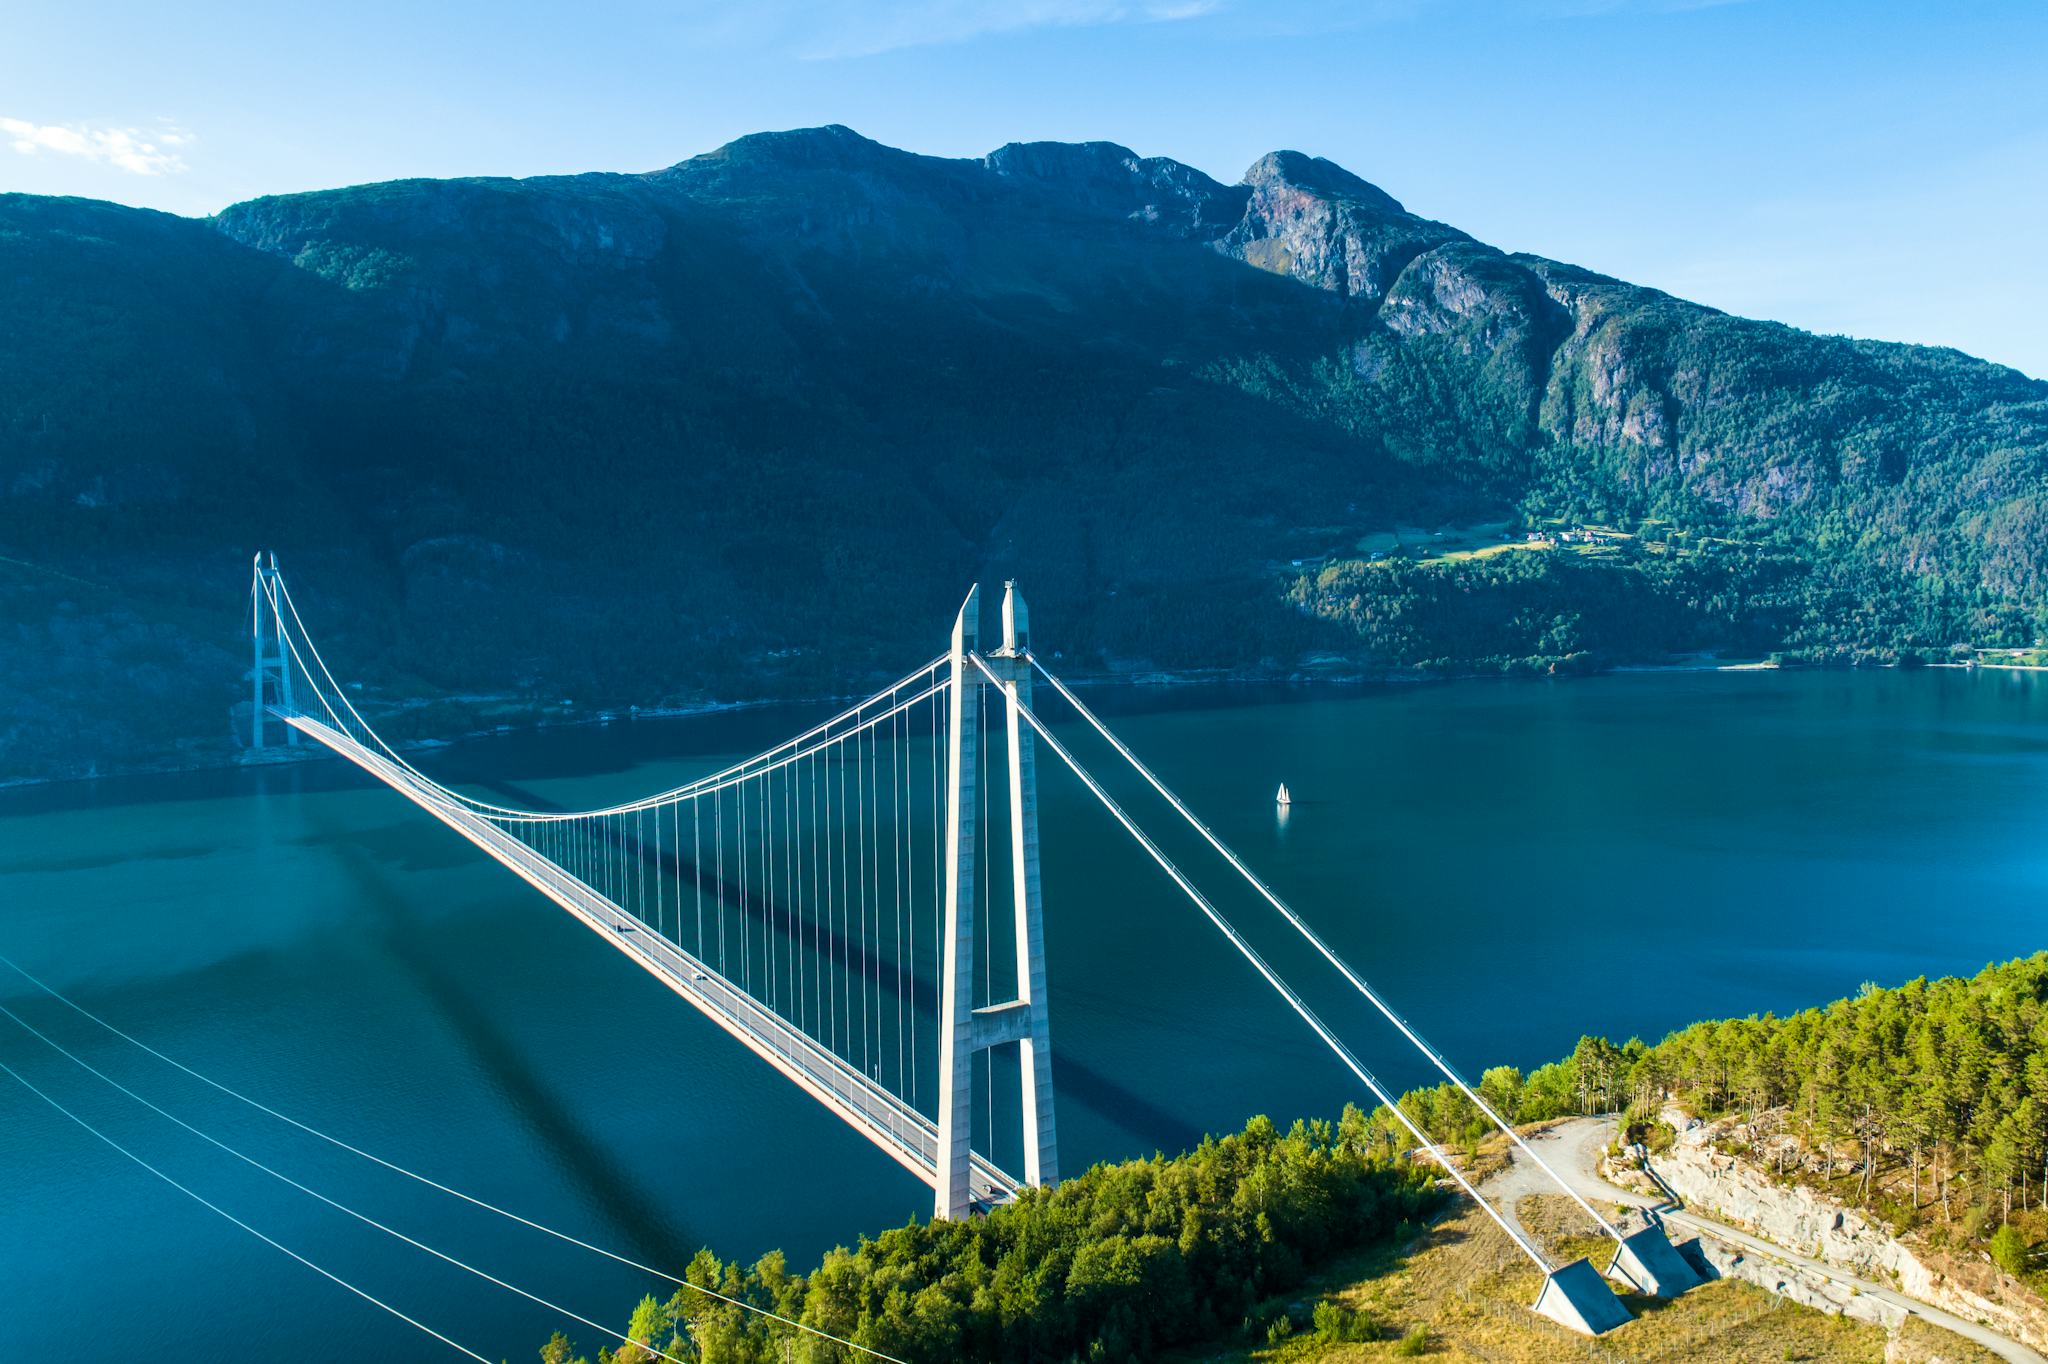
<point x="1315" y="940"/>
<point x="281" y="601"/>
<point x="1272" y="978"/>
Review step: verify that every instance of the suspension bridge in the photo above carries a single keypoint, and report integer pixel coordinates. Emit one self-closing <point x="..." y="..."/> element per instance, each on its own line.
<point x="861" y="907"/>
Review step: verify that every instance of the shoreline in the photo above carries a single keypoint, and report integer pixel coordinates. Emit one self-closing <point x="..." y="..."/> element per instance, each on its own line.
<point x="1162" y="678"/>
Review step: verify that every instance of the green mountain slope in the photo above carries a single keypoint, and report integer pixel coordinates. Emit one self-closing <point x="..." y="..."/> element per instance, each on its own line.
<point x="749" y="424"/>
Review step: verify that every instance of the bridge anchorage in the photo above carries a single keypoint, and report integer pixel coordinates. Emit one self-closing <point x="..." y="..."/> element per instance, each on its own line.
<point x="838" y="905"/>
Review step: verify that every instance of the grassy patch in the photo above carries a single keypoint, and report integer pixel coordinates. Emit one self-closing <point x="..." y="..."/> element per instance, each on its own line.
<point x="1920" y="1343"/>
<point x="1462" y="1291"/>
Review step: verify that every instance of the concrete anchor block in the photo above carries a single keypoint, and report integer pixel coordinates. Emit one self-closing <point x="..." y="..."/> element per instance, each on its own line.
<point x="1576" y="1297"/>
<point x="1646" y="1261"/>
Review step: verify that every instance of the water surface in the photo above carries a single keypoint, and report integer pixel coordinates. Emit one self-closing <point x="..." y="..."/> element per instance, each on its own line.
<point x="1515" y="863"/>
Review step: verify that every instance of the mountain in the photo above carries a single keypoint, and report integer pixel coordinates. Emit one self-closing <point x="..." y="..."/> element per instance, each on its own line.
<point x="748" y="426"/>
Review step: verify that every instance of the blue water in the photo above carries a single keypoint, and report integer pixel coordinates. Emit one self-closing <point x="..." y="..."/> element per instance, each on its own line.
<point x="1515" y="864"/>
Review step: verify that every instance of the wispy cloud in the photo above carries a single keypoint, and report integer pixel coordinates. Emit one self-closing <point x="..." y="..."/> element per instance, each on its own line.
<point x="854" y="28"/>
<point x="139" y="151"/>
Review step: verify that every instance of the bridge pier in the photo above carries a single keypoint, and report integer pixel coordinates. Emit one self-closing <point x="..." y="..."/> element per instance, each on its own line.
<point x="270" y="661"/>
<point x="963" y="1028"/>
<point x="956" y="987"/>
<point x="1012" y="663"/>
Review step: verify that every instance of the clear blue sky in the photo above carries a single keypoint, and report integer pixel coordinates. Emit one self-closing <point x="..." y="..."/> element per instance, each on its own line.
<point x="1877" y="168"/>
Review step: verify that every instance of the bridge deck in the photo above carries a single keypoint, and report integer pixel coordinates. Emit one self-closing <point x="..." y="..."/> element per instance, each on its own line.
<point x="908" y="1136"/>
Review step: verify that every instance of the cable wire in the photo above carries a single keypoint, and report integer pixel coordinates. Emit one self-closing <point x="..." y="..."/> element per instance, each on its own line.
<point x="1315" y="940"/>
<point x="687" y="790"/>
<point x="223" y="1212"/>
<point x="409" y="1174"/>
<point x="1286" y="992"/>
<point x="364" y="1218"/>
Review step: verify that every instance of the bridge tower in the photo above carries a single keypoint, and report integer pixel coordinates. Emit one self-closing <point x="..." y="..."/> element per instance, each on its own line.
<point x="963" y="1028"/>
<point x="271" y="677"/>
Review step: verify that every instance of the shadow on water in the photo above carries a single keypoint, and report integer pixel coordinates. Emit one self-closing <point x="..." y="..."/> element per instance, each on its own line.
<point x="1078" y="1082"/>
<point x="396" y="845"/>
<point x="365" y="853"/>
<point x="614" y="1190"/>
<point x="100" y="858"/>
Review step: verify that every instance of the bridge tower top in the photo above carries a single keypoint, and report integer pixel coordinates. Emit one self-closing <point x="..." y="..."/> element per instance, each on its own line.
<point x="1016" y="623"/>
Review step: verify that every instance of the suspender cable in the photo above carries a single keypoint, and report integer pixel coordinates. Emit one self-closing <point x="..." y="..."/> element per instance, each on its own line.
<point x="941" y="800"/>
<point x="817" y="887"/>
<point x="1315" y="940"/>
<point x="1272" y="978"/>
<point x="874" y="957"/>
<point x="910" y="864"/>
<point x="896" y="830"/>
<point x="871" y="929"/>
<point x="764" y="900"/>
<point x="755" y="910"/>
<point x="861" y="772"/>
<point x="793" y="870"/>
<point x="769" y="760"/>
<point x="788" y="745"/>
<point x="769" y="901"/>
<point x="875" y="862"/>
<point x="718" y="870"/>
<point x="737" y="941"/>
<point x="830" y="832"/>
<point x="857" y="901"/>
<point x="789" y="887"/>
<point x="844" y="974"/>
<point x="792" y="873"/>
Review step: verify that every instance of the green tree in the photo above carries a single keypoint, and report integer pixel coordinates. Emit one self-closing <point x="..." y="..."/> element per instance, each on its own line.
<point x="2010" y="1249"/>
<point x="1501" y="1087"/>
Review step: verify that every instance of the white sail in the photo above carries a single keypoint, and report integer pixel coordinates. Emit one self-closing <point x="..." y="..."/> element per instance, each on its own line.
<point x="1282" y="798"/>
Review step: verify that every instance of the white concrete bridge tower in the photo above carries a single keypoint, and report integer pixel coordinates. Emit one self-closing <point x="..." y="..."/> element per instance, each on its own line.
<point x="963" y="1028"/>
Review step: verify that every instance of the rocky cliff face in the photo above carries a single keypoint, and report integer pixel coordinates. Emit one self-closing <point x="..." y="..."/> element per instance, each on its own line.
<point x="1314" y="221"/>
<point x="1807" y="1223"/>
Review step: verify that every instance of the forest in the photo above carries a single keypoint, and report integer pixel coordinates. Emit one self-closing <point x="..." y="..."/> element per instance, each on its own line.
<point x="1926" y="1104"/>
<point x="1122" y="1262"/>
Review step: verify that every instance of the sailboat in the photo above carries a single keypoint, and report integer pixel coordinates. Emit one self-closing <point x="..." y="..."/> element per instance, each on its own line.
<point x="1281" y="797"/>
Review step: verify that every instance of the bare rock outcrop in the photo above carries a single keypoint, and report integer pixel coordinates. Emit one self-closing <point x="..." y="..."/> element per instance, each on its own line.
<point x="1314" y="220"/>
<point x="1808" y="1223"/>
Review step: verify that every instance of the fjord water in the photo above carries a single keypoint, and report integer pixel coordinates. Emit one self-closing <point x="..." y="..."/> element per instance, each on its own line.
<point x="1515" y="863"/>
